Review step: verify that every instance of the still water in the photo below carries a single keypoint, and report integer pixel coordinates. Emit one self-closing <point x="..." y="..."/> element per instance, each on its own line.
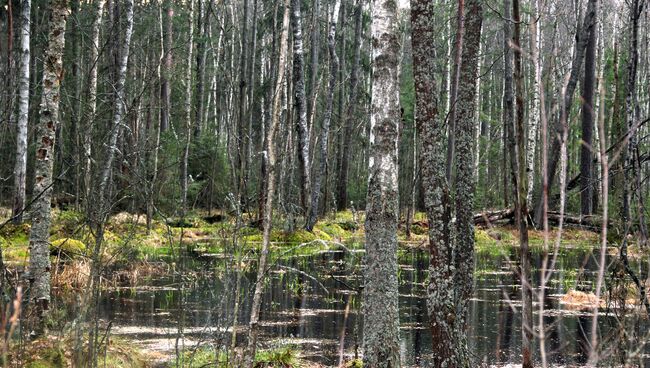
<point x="312" y="302"/>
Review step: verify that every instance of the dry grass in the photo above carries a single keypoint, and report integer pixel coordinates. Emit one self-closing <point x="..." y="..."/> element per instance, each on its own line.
<point x="72" y="275"/>
<point x="578" y="300"/>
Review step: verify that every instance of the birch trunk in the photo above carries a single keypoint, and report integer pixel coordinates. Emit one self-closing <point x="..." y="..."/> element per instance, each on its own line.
<point x="165" y="88"/>
<point x="253" y="331"/>
<point x="324" y="134"/>
<point x="91" y="108"/>
<point x="533" y="127"/>
<point x="188" y="111"/>
<point x="20" y="170"/>
<point x="453" y="91"/>
<point x="300" y="105"/>
<point x="39" y="246"/>
<point x="380" y="292"/>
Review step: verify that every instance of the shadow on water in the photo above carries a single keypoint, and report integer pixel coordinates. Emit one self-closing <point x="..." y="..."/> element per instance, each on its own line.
<point x="316" y="309"/>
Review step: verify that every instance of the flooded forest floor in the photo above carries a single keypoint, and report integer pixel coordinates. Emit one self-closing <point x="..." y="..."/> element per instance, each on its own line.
<point x="167" y="292"/>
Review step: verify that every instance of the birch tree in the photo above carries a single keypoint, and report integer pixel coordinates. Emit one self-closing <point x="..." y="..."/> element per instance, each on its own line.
<point x="300" y="104"/>
<point x="39" y="245"/>
<point x="20" y="169"/>
<point x="380" y="292"/>
<point x="188" y="111"/>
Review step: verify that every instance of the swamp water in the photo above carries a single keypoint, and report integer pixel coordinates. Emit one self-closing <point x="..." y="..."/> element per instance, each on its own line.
<point x="312" y="302"/>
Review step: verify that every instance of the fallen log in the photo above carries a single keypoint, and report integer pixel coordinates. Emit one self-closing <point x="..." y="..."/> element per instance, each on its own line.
<point x="493" y="217"/>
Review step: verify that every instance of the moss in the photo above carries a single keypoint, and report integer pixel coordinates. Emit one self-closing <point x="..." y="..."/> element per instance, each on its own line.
<point x="16" y="234"/>
<point x="418" y="229"/>
<point x="67" y="246"/>
<point x="334" y="230"/>
<point x="354" y="363"/>
<point x="300" y="236"/>
<point x="49" y="358"/>
<point x="483" y="238"/>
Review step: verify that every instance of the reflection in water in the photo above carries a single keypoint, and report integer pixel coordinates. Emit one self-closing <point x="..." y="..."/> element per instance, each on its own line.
<point x="298" y="310"/>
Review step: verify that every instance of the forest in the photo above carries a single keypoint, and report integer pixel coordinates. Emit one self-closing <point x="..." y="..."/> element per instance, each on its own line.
<point x="324" y="183"/>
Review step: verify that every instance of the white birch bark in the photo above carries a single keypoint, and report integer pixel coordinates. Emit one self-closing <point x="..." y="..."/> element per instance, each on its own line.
<point x="20" y="168"/>
<point x="380" y="292"/>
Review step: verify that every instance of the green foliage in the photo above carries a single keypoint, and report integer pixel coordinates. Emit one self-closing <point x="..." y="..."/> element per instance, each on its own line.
<point x="285" y="357"/>
<point x="66" y="223"/>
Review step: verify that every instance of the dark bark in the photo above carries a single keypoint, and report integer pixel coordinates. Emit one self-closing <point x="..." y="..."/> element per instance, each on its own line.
<point x="350" y="115"/>
<point x="588" y="115"/>
<point x="521" y="192"/>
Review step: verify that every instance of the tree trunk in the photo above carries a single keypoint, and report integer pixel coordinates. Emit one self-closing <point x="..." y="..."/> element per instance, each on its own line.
<point x="300" y="104"/>
<point x="270" y="188"/>
<point x="203" y="25"/>
<point x="465" y="181"/>
<point x="521" y="191"/>
<point x="20" y="170"/>
<point x="631" y="105"/>
<point x="380" y="292"/>
<point x="321" y="175"/>
<point x="165" y="88"/>
<point x="39" y="245"/>
<point x="533" y="134"/>
<point x="342" y="183"/>
<point x="91" y="108"/>
<point x="588" y="114"/>
<point x="188" y="111"/>
<point x="313" y="63"/>
<point x="440" y="296"/>
<point x="453" y="92"/>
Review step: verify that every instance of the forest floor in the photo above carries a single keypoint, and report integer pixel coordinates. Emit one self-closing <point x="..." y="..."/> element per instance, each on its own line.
<point x="132" y="253"/>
